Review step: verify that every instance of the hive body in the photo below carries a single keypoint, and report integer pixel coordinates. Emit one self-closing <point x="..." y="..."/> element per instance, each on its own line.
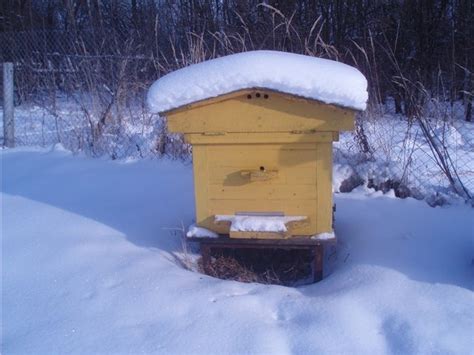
<point x="262" y="152"/>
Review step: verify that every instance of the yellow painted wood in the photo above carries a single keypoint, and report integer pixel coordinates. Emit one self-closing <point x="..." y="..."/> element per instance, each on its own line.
<point x="263" y="192"/>
<point x="258" y="175"/>
<point x="293" y="191"/>
<point x="291" y="227"/>
<point x="301" y="187"/>
<point x="244" y="93"/>
<point x="324" y="187"/>
<point x="271" y="157"/>
<point x="289" y="207"/>
<point x="262" y="155"/>
<point x="278" y="113"/>
<point x="201" y="182"/>
<point x="232" y="176"/>
<point x="259" y="138"/>
<point x="297" y="224"/>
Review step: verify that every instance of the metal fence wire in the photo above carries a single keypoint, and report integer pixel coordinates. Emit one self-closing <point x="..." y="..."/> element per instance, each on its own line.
<point x="87" y="91"/>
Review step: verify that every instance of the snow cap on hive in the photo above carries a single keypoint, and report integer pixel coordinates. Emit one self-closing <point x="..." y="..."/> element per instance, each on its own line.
<point x="309" y="77"/>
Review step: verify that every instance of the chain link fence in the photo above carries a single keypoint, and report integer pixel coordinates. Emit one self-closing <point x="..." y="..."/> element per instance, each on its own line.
<point x="87" y="91"/>
<point x="401" y="158"/>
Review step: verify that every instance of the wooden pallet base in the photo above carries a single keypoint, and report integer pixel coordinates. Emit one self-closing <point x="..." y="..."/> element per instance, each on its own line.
<point x="224" y="242"/>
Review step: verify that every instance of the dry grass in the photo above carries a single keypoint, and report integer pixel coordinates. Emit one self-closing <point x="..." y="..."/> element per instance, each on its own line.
<point x="269" y="266"/>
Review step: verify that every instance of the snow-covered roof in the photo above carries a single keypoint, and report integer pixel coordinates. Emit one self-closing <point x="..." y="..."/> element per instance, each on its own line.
<point x="309" y="77"/>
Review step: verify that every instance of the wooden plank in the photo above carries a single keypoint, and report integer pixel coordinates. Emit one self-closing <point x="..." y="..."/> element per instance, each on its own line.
<point x="291" y="226"/>
<point x="201" y="182"/>
<point x="324" y="188"/>
<point x="231" y="176"/>
<point x="290" y="242"/>
<point x="318" y="263"/>
<point x="249" y="157"/>
<point x="278" y="113"/>
<point x="261" y="138"/>
<point x="289" y="207"/>
<point x="264" y="147"/>
<point x="294" y="225"/>
<point x="263" y="192"/>
<point x="259" y="175"/>
<point x="206" y="256"/>
<point x="258" y="235"/>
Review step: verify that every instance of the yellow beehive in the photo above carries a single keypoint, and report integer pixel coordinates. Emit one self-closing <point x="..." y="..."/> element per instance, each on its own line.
<point x="261" y="151"/>
<point x="261" y="125"/>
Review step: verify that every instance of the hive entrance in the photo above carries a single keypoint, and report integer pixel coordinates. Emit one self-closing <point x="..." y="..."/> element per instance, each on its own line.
<point x="260" y="225"/>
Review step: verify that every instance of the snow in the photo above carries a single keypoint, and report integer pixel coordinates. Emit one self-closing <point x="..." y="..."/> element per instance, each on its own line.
<point x="324" y="236"/>
<point x="92" y="264"/>
<point x="245" y="223"/>
<point x="199" y="232"/>
<point x="310" y="77"/>
<point x="401" y="153"/>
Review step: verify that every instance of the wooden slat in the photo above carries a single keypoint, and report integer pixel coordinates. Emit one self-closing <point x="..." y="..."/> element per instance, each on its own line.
<point x="318" y="263"/>
<point x="272" y="159"/>
<point x="291" y="227"/>
<point x="293" y="242"/>
<point x="324" y="187"/>
<point x="260" y="138"/>
<point x="231" y="176"/>
<point x="258" y="235"/>
<point x="264" y="147"/>
<point x="263" y="192"/>
<point x="201" y="182"/>
<point x="288" y="207"/>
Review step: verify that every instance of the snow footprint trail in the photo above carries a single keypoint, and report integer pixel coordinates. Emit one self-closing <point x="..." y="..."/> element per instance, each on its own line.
<point x="87" y="270"/>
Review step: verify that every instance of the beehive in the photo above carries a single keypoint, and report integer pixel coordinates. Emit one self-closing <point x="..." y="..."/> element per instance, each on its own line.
<point x="263" y="151"/>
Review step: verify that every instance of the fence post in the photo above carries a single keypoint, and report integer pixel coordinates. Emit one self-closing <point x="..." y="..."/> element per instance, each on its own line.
<point x="8" y="120"/>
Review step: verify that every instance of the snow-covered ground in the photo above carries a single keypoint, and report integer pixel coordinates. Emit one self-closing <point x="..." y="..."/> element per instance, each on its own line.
<point x="91" y="263"/>
<point x="401" y="153"/>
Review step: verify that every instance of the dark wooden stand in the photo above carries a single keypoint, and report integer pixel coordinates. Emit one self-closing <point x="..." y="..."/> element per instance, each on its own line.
<point x="224" y="242"/>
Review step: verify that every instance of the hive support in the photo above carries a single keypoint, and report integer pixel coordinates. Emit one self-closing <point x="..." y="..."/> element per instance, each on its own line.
<point x="318" y="262"/>
<point x="206" y="256"/>
<point x="224" y="242"/>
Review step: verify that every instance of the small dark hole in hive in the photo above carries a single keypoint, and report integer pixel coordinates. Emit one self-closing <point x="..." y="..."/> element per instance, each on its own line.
<point x="249" y="96"/>
<point x="265" y="96"/>
<point x="262" y="168"/>
<point x="257" y="94"/>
